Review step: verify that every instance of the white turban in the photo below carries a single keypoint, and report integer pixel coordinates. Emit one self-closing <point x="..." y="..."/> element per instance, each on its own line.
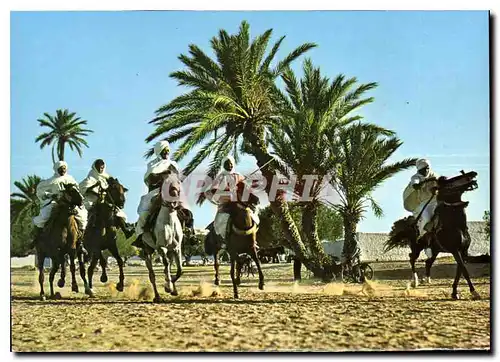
<point x="160" y="146"/>
<point x="423" y="163"/>
<point x="58" y="165"/>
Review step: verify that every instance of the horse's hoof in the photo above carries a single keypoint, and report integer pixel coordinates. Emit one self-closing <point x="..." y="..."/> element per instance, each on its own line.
<point x="261" y="286"/>
<point x="157" y="299"/>
<point x="119" y="287"/>
<point x="104" y="278"/>
<point x="74" y="288"/>
<point x="455" y="296"/>
<point x="90" y="293"/>
<point x="42" y="297"/>
<point x="60" y="283"/>
<point x="57" y="296"/>
<point x="216" y="282"/>
<point x="168" y="289"/>
<point x="414" y="284"/>
<point x="174" y="293"/>
<point x="475" y="295"/>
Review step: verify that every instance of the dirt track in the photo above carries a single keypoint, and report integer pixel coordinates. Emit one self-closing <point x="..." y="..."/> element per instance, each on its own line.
<point x="310" y="316"/>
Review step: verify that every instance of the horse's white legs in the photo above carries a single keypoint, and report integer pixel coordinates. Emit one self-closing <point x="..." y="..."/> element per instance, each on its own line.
<point x="414" y="282"/>
<point x="166" y="271"/>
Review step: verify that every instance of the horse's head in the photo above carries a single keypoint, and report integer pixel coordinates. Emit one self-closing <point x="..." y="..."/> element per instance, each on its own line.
<point x="450" y="190"/>
<point x="170" y="191"/>
<point x="71" y="195"/>
<point x="116" y="192"/>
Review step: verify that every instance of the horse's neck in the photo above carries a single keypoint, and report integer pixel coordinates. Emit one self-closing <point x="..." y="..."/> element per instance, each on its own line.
<point x="242" y="217"/>
<point x="453" y="217"/>
<point x="166" y="216"/>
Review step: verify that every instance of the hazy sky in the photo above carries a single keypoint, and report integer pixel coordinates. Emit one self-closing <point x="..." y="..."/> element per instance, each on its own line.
<point x="112" y="69"/>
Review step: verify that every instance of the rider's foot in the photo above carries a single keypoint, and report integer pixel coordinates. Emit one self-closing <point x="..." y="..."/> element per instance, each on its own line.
<point x="428" y="252"/>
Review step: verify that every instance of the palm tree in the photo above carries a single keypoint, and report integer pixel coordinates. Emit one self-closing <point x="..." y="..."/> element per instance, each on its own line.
<point x="312" y="111"/>
<point x="363" y="152"/>
<point x="64" y="129"/>
<point x="229" y="107"/>
<point x="25" y="203"/>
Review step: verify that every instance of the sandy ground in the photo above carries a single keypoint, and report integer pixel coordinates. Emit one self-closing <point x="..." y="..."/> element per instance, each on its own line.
<point x="311" y="316"/>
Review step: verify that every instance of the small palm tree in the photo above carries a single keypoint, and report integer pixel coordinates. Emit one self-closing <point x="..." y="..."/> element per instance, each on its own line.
<point x="312" y="111"/>
<point x="363" y="152"/>
<point x="229" y="107"/>
<point x="25" y="203"/>
<point x="64" y="128"/>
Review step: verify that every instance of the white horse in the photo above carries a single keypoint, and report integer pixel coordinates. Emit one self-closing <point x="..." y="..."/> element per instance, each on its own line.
<point x="166" y="238"/>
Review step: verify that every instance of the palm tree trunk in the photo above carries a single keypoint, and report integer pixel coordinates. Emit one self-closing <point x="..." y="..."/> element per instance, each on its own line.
<point x="60" y="151"/>
<point x="350" y="242"/>
<point x="309" y="227"/>
<point x="280" y="206"/>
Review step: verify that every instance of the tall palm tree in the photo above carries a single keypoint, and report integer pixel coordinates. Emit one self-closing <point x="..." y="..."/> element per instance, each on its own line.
<point x="363" y="152"/>
<point x="64" y="128"/>
<point x="24" y="203"/>
<point x="229" y="106"/>
<point x="312" y="111"/>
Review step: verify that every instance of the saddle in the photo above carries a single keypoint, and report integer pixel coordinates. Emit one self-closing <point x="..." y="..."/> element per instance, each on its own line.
<point x="185" y="216"/>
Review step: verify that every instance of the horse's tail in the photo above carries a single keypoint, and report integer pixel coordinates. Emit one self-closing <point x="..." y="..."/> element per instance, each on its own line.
<point x="402" y="232"/>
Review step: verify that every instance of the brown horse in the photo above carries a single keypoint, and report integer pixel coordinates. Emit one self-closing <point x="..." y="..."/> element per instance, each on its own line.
<point x="449" y="233"/>
<point x="242" y="236"/>
<point x="101" y="231"/>
<point x="60" y="237"/>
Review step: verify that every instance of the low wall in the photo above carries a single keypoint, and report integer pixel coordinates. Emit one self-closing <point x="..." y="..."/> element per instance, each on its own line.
<point x="372" y="245"/>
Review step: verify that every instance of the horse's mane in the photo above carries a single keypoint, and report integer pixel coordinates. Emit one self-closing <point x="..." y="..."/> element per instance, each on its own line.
<point x="399" y="234"/>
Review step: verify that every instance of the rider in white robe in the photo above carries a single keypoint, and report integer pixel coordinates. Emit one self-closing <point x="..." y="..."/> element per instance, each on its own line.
<point x="49" y="190"/>
<point x="224" y="184"/>
<point x="98" y="176"/>
<point x="157" y="170"/>
<point x="418" y="193"/>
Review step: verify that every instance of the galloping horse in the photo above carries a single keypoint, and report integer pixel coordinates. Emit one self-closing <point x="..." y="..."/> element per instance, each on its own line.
<point x="166" y="237"/>
<point x="243" y="236"/>
<point x="449" y="233"/>
<point x="213" y="244"/>
<point x="60" y="237"/>
<point x="101" y="231"/>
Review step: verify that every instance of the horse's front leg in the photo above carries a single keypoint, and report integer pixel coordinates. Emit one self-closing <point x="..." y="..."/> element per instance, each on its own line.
<point x="415" y="252"/>
<point x="62" y="280"/>
<point x="94" y="258"/>
<point x="148" y="258"/>
<point x="41" y="277"/>
<point x="233" y="279"/>
<point x="465" y="272"/>
<point x="55" y="265"/>
<point x="216" y="267"/>
<point x="114" y="252"/>
<point x="166" y="270"/>
<point x="104" y="264"/>
<point x="81" y="266"/>
<point x="256" y="260"/>
<point x="74" y="284"/>
<point x="428" y="265"/>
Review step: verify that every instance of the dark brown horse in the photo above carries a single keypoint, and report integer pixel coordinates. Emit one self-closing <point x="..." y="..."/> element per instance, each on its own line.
<point x="242" y="236"/>
<point x="101" y="231"/>
<point x="60" y="238"/>
<point x="449" y="233"/>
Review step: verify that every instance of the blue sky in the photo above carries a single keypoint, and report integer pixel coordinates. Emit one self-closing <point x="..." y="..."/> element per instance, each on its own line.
<point x="112" y="69"/>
